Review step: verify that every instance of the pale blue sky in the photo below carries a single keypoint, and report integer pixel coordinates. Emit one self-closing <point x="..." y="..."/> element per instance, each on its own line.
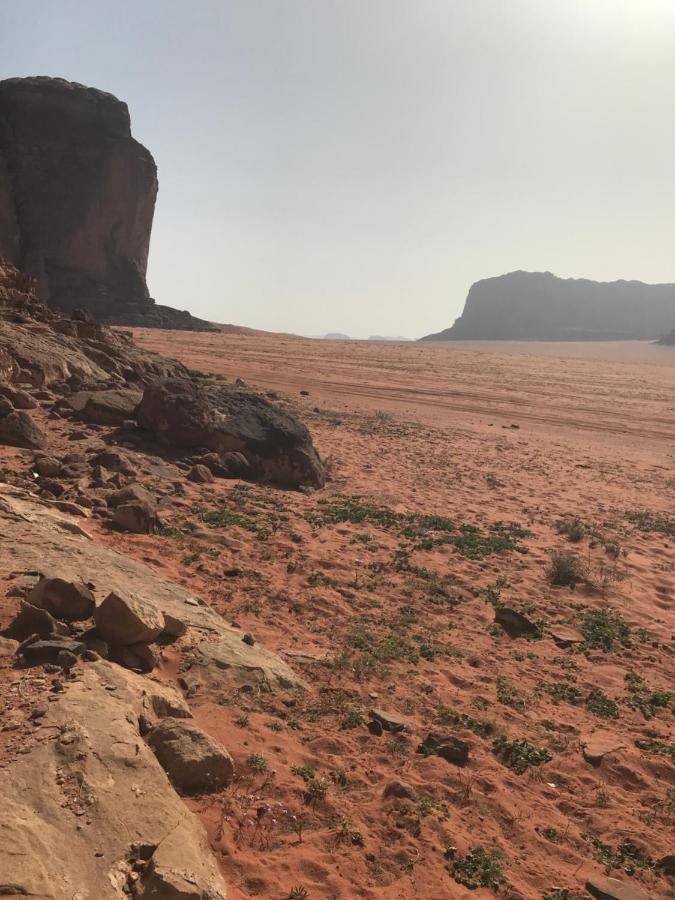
<point x="354" y="165"/>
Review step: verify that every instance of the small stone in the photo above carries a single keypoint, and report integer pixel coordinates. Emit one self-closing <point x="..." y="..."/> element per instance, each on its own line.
<point x="389" y="721"/>
<point x="33" y="620"/>
<point x="38" y="713"/>
<point x="597" y="745"/>
<point x="446" y="746"/>
<point x="248" y="639"/>
<point x="136" y="516"/>
<point x="400" y="790"/>
<point x="515" y="624"/>
<point x="65" y="659"/>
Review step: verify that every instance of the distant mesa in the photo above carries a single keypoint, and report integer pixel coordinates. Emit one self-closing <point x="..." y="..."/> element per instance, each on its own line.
<point x="336" y="336"/>
<point x="77" y="198"/>
<point x="380" y="337"/>
<point x="539" y="306"/>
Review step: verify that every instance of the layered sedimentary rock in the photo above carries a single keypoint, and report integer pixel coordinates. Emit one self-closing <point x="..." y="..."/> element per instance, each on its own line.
<point x="541" y="306"/>
<point x="77" y="197"/>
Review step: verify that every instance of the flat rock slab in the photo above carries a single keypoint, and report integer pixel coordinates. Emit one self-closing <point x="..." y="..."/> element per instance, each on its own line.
<point x="565" y="636"/>
<point x="597" y="745"/>
<point x="35" y="537"/>
<point x="93" y="766"/>
<point x="605" y="888"/>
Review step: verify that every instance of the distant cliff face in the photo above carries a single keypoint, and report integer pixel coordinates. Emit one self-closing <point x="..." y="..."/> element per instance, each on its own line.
<point x="77" y="197"/>
<point x="531" y="306"/>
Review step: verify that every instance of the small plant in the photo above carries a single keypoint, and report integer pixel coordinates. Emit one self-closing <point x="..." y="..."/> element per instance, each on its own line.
<point x="565" y="569"/>
<point x="551" y="834"/>
<point x="398" y="746"/>
<point x="647" y="521"/>
<point x="601" y="705"/>
<point x="316" y="791"/>
<point x="560" y="690"/>
<point x="640" y="697"/>
<point x="339" y="777"/>
<point x="626" y="856"/>
<point x="257" y="761"/>
<point x="241" y="720"/>
<point x="353" y="719"/>
<point x="479" y="868"/>
<point x="508" y="695"/>
<point x="601" y="628"/>
<point x="573" y="529"/>
<point x="304" y="772"/>
<point x="298" y="893"/>
<point x="520" y="755"/>
<point x="651" y="745"/>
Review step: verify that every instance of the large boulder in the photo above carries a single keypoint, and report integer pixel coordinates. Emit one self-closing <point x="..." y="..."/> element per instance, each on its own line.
<point x="126" y="620"/>
<point x="190" y="414"/>
<point x="71" y="601"/>
<point x="17" y="429"/>
<point x="194" y="762"/>
<point x="111" y="407"/>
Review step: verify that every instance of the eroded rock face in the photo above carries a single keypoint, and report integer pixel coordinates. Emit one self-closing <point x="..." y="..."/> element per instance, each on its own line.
<point x="524" y="306"/>
<point x="194" y="762"/>
<point x="77" y="198"/>
<point x="185" y="413"/>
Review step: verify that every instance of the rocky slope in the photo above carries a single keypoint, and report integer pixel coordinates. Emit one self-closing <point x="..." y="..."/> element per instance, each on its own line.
<point x="538" y="306"/>
<point x="77" y="197"/>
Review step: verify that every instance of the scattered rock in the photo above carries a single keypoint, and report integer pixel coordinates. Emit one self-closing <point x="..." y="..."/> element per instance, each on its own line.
<point x="128" y="494"/>
<point x="114" y="461"/>
<point x="597" y="745"/>
<point x="564" y="636"/>
<point x="389" y="721"/>
<point x="139" y="657"/>
<point x="249" y="639"/>
<point x="194" y="762"/>
<point x="447" y="747"/>
<point x="42" y="651"/>
<point x="33" y="620"/>
<point x="515" y="624"/>
<point x="200" y="474"/>
<point x="136" y="516"/>
<point x="18" y="398"/>
<point x="125" y="620"/>
<point x="48" y="467"/>
<point x="173" y="627"/>
<point x="111" y="407"/>
<point x="17" y="429"/>
<point x="67" y="600"/>
<point x="605" y="888"/>
<point x="399" y="790"/>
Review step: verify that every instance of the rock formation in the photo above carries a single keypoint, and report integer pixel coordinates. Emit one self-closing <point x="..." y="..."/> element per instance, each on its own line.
<point x="538" y="306"/>
<point x="77" y="197"/>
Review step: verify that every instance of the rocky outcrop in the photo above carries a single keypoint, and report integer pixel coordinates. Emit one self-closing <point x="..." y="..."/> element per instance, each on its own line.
<point x="192" y="415"/>
<point x="40" y="347"/>
<point x="77" y="197"/>
<point x="35" y="537"/>
<point x="538" y="306"/>
<point x="91" y="766"/>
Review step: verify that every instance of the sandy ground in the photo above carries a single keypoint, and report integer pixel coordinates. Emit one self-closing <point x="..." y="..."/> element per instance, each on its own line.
<point x="374" y="615"/>
<point x="451" y="467"/>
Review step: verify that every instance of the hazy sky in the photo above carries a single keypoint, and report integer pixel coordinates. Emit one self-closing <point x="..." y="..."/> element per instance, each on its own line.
<point x="354" y="165"/>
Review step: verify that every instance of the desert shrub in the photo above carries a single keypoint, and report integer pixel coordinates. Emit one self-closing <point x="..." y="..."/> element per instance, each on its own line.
<point x="601" y="705"/>
<point x="479" y="868"/>
<point x="565" y="569"/>
<point x="601" y="628"/>
<point x="520" y="755"/>
<point x="573" y="529"/>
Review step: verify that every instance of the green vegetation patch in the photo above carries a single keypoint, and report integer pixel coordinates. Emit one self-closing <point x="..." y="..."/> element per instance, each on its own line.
<point x="520" y="755"/>
<point x="642" y="698"/>
<point x="602" y="628"/>
<point x="479" y="868"/>
<point x="601" y="705"/>
<point x="626" y="856"/>
<point x="654" y="522"/>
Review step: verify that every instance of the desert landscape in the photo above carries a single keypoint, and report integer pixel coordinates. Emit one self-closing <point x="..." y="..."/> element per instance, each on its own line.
<point x="455" y="473"/>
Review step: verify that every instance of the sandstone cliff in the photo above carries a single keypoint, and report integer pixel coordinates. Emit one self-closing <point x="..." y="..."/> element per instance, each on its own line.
<point x="77" y="197"/>
<point x="540" y="306"/>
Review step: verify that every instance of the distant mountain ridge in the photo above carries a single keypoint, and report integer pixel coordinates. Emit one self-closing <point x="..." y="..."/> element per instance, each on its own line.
<point x="540" y="306"/>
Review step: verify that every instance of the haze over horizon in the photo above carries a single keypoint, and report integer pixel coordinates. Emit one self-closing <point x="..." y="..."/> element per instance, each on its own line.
<point x="355" y="167"/>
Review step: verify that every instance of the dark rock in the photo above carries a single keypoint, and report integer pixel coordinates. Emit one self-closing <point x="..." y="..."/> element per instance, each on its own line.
<point x="173" y="627"/>
<point x="539" y="306"/>
<point x="667" y="864"/>
<point x="200" y="474"/>
<point x="139" y="657"/>
<point x="54" y="487"/>
<point x="79" y="203"/>
<point x="5" y="407"/>
<point x="515" y="624"/>
<point x="249" y="639"/>
<point x="194" y="762"/>
<point x="48" y="467"/>
<point x="375" y="728"/>
<point x="71" y="601"/>
<point x="33" y="620"/>
<point x="95" y="643"/>
<point x="399" y="790"/>
<point x="605" y="888"/>
<point x="389" y="721"/>
<point x="111" y="407"/>
<point x="18" y="398"/>
<point x="125" y="620"/>
<point x="42" y="651"/>
<point x="190" y="414"/>
<point x="67" y="659"/>
<point x="114" y="461"/>
<point x="17" y="429"/>
<point x="447" y="747"/>
<point x="136" y="516"/>
<point x="129" y="494"/>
